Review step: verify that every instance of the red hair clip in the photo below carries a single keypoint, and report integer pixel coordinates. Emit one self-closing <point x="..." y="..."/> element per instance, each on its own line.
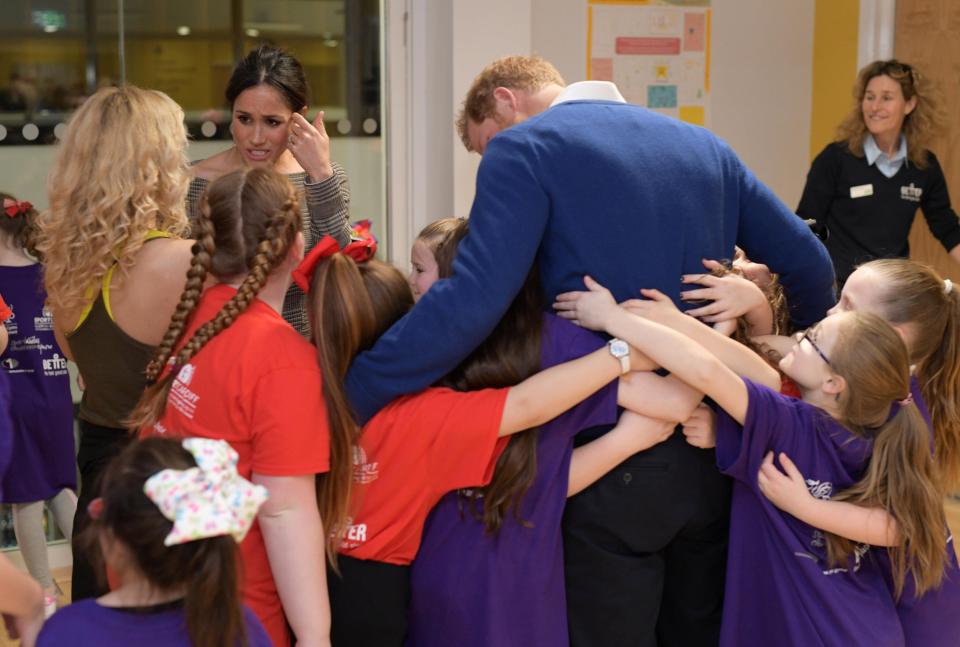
<point x="359" y="250"/>
<point x="95" y="508"/>
<point x="14" y="208"/>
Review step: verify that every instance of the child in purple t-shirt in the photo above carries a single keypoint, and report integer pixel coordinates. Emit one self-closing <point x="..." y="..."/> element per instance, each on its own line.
<point x="853" y="372"/>
<point x="167" y="524"/>
<point x="514" y="566"/>
<point x="925" y="310"/>
<point x="43" y="470"/>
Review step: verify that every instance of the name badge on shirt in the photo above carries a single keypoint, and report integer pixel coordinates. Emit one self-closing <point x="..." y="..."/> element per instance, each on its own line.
<point x="861" y="191"/>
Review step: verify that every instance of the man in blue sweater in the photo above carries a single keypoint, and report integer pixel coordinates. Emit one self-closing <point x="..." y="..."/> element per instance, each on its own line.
<point x="581" y="182"/>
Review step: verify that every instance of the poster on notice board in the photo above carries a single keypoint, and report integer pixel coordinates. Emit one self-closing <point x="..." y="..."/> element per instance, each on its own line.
<point x="656" y="51"/>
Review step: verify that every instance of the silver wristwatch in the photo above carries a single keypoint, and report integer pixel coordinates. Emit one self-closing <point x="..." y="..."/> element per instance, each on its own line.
<point x="621" y="350"/>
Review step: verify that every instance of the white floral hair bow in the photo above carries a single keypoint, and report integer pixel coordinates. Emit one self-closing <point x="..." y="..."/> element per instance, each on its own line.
<point x="208" y="500"/>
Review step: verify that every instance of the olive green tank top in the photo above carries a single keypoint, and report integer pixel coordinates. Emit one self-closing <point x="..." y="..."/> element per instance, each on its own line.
<point x="112" y="363"/>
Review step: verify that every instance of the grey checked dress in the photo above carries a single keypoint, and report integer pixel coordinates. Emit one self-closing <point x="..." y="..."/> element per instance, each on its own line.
<point x="325" y="207"/>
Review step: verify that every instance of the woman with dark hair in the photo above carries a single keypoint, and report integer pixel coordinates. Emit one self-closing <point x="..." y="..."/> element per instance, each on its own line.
<point x="863" y="190"/>
<point x="268" y="97"/>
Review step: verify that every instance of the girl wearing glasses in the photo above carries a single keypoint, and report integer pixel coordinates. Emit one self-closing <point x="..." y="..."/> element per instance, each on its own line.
<point x="858" y="437"/>
<point x="925" y="310"/>
<point x="863" y="190"/>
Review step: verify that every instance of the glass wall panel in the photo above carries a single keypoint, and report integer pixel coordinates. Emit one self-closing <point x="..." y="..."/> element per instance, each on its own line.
<point x="55" y="53"/>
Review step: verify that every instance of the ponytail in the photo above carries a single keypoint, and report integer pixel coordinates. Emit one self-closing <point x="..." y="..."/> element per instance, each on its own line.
<point x="912" y="295"/>
<point x="351" y="305"/>
<point x="342" y="313"/>
<point x="940" y="377"/>
<point x="901" y="479"/>
<point x="267" y="209"/>
<point x="212" y="604"/>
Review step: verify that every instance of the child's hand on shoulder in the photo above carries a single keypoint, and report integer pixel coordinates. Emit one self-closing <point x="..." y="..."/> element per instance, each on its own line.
<point x="700" y="428"/>
<point x="591" y="309"/>
<point x="787" y="489"/>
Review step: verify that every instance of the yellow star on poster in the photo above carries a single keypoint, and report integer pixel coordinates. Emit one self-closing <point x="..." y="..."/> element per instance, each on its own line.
<point x="662" y="72"/>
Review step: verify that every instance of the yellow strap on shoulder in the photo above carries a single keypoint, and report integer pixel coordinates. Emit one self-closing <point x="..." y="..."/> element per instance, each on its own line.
<point x="88" y="295"/>
<point x="108" y="277"/>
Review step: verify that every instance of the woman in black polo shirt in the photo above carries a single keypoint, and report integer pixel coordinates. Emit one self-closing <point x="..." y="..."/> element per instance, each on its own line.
<point x="863" y="191"/>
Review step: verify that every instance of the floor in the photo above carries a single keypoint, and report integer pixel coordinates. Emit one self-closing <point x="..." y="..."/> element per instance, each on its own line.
<point x="62" y="575"/>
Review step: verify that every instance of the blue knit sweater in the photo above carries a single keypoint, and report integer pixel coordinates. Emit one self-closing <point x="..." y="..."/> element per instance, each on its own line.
<point x="631" y="197"/>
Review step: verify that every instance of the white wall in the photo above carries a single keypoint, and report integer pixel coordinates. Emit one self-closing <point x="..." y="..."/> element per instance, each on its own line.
<point x="761" y="69"/>
<point x="482" y="32"/>
<point x="762" y="74"/>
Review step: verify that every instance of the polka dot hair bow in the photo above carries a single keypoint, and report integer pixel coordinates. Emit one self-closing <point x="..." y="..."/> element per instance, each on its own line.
<point x="208" y="500"/>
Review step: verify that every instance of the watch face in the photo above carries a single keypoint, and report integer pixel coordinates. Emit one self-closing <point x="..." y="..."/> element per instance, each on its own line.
<point x="619" y="348"/>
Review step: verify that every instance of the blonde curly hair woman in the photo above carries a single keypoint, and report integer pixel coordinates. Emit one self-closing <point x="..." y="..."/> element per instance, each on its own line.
<point x="114" y="263"/>
<point x="863" y="191"/>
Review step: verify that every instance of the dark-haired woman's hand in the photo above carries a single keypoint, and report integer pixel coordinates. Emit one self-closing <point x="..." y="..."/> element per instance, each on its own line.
<point x="729" y="296"/>
<point x="310" y="145"/>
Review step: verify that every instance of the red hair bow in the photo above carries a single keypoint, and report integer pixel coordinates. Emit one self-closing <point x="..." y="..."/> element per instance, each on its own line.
<point x="359" y="250"/>
<point x="13" y="208"/>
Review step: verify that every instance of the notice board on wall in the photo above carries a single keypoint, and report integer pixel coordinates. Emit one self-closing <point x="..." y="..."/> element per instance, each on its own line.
<point x="656" y="51"/>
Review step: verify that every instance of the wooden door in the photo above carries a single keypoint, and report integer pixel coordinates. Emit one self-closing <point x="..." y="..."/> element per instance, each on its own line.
<point x="926" y="37"/>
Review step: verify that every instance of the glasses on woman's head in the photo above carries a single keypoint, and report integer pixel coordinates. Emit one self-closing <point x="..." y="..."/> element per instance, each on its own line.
<point x="806" y="335"/>
<point x="896" y="68"/>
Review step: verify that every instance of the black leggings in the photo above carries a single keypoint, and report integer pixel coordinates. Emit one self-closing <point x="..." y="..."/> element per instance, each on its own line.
<point x="98" y="446"/>
<point x="368" y="603"/>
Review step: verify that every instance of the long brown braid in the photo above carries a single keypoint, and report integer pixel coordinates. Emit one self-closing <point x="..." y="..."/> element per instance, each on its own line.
<point x="199" y="267"/>
<point x="251" y="218"/>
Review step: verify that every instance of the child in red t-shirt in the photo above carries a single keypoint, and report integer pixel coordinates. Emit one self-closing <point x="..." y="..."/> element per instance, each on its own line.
<point x="230" y="368"/>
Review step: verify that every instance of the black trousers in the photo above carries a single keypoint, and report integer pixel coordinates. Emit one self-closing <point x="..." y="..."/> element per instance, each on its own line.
<point x="645" y="551"/>
<point x="368" y="603"/>
<point x="98" y="446"/>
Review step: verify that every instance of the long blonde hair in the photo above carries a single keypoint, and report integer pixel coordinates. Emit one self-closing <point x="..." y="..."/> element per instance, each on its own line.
<point x="121" y="171"/>
<point x="912" y="294"/>
<point x="920" y="127"/>
<point x="900" y="477"/>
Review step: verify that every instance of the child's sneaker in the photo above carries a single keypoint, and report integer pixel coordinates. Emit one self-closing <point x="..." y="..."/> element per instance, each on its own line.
<point x="49" y="605"/>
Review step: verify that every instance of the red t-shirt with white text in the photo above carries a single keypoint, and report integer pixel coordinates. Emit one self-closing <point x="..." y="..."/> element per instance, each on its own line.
<point x="413" y="452"/>
<point x="256" y="385"/>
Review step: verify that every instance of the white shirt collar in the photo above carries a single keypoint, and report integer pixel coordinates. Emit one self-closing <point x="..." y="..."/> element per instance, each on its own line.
<point x="589" y="91"/>
<point x="872" y="151"/>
